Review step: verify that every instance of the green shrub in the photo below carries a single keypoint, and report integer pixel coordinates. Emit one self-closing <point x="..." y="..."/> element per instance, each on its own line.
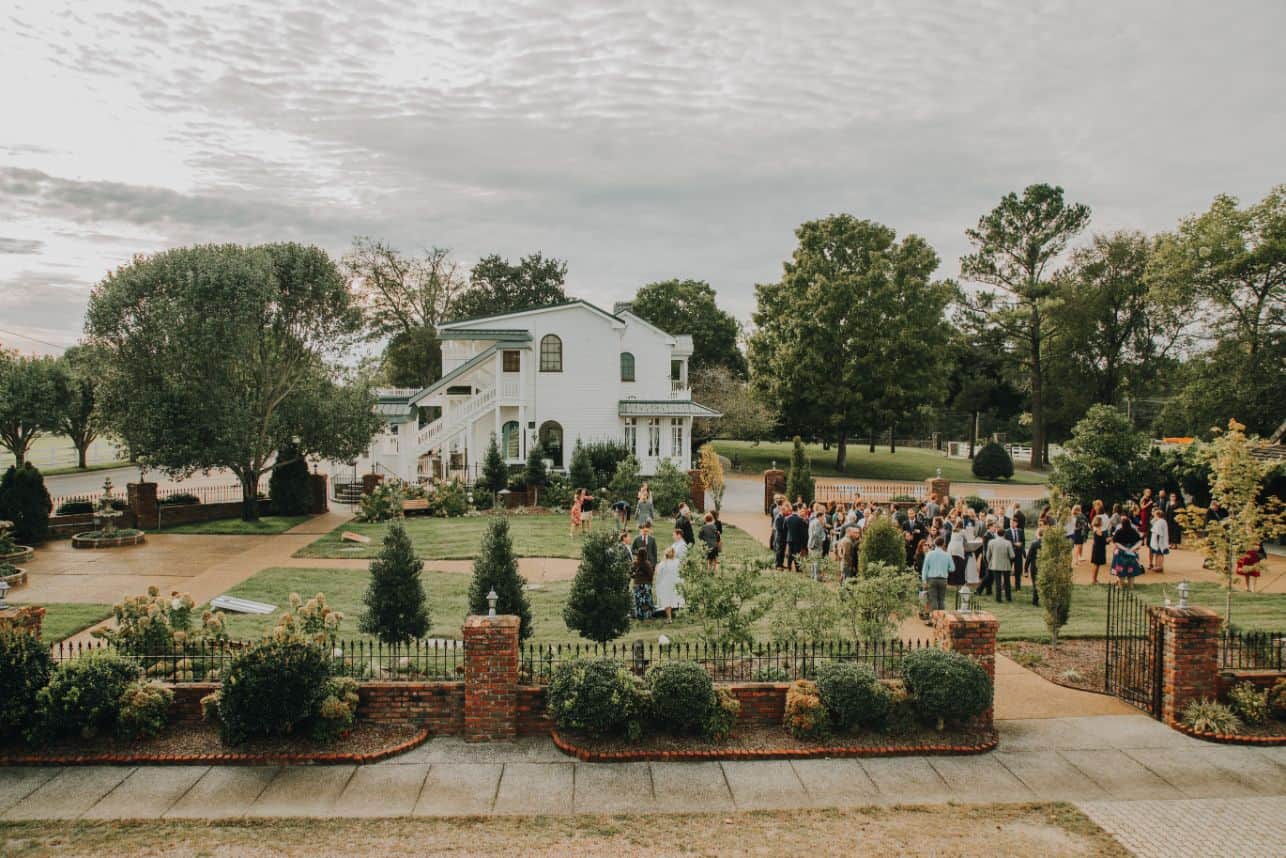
<point x="289" y="485"/>
<point x="336" y="711"/>
<point x="25" y="666"/>
<point x="852" y="695"/>
<point x="805" y="714"/>
<point x="448" y="500"/>
<point x="179" y="499"/>
<point x="946" y="686"/>
<point x="670" y="487"/>
<point x="799" y="479"/>
<point x="83" y="695"/>
<point x="977" y="504"/>
<point x="605" y="457"/>
<point x="396" y="610"/>
<point x="682" y="696"/>
<point x="598" y="697"/>
<point x="722" y="716"/>
<point x="1249" y="703"/>
<point x="626" y="481"/>
<point x="382" y="503"/>
<point x="495" y="473"/>
<point x="882" y="542"/>
<point x="581" y="470"/>
<point x="272" y="689"/>
<point x="873" y="604"/>
<point x="1054" y="579"/>
<point x="496" y="567"/>
<point x="1210" y="716"/>
<point x="598" y="605"/>
<point x="25" y="501"/>
<point x="144" y="710"/>
<point x="992" y="462"/>
<point x="534" y="476"/>
<point x="77" y="508"/>
<point x="557" y="493"/>
<point x="1277" y="700"/>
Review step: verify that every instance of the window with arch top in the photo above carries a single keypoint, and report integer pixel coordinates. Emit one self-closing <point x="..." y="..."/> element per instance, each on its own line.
<point x="551" y="353"/>
<point x="627" y="366"/>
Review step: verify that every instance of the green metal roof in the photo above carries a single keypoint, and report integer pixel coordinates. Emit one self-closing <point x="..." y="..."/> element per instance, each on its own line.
<point x="664" y="408"/>
<point x="500" y="334"/>
<point x="451" y="376"/>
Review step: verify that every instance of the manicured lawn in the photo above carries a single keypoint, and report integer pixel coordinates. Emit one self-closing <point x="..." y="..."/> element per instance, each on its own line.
<point x="542" y="535"/>
<point x="267" y="525"/>
<point x="908" y="463"/>
<point x="64" y="619"/>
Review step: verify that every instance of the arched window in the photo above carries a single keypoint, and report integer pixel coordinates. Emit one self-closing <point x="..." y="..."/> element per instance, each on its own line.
<point x="509" y="440"/>
<point x="627" y="366"/>
<point x="551" y="441"/>
<point x="551" y="353"/>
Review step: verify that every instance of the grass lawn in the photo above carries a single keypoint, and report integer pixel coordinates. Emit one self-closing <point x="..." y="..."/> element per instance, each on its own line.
<point x="72" y="469"/>
<point x="543" y="535"/>
<point x="267" y="525"/>
<point x="64" y="619"/>
<point x="907" y="464"/>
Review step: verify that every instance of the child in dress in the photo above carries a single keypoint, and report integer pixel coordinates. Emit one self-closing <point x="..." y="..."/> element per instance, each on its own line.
<point x="1158" y="540"/>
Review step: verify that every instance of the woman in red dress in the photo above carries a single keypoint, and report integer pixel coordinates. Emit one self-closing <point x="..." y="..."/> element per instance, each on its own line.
<point x="1248" y="566"/>
<point x="576" y="504"/>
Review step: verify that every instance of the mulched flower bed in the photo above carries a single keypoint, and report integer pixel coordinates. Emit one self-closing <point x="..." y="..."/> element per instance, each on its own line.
<point x="199" y="743"/>
<point x="1084" y="656"/>
<point x="774" y="743"/>
<point x="1271" y="732"/>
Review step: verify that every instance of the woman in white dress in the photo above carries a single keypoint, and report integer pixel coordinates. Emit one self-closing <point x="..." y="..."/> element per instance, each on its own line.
<point x="1158" y="541"/>
<point x="666" y="586"/>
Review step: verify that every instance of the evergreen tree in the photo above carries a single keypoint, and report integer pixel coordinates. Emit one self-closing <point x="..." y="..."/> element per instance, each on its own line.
<point x="882" y="543"/>
<point x="535" y="475"/>
<point x="581" y="470"/>
<point x="396" y="610"/>
<point x="598" y="605"/>
<point x="992" y="462"/>
<point x="289" y="488"/>
<point x="799" y="482"/>
<point x="25" y="501"/>
<point x="1054" y="577"/>
<point x="497" y="567"/>
<point x="495" y="473"/>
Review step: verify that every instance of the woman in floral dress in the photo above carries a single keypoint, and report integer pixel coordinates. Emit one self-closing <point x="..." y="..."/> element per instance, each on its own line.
<point x="641" y="579"/>
<point x="1125" y="560"/>
<point x="575" y="514"/>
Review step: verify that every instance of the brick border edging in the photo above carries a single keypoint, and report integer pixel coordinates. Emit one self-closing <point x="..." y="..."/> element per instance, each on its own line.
<point x="1229" y="738"/>
<point x="322" y="758"/>
<point x="587" y="756"/>
<point x="81" y="541"/>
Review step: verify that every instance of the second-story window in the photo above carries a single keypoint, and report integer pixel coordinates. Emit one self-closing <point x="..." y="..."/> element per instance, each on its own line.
<point x="627" y="366"/>
<point x="551" y="353"/>
<point x="510" y="362"/>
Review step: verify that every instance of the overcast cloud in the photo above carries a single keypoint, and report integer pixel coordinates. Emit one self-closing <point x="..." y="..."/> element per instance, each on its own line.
<point x="638" y="141"/>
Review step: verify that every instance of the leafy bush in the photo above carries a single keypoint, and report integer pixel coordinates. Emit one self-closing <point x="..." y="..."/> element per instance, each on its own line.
<point x="76" y="508"/>
<point x="272" y="689"/>
<point x="852" y="695"/>
<point x="495" y="473"/>
<point x="874" y="604"/>
<point x="557" y="493"/>
<point x="180" y="499"/>
<point x="382" y="503"/>
<point x="670" y="487"/>
<point x="534" y="476"/>
<point x="396" y="610"/>
<point x="626" y="481"/>
<point x="725" y="600"/>
<point x="598" y="605"/>
<point x="946" y="686"/>
<point x="772" y="673"/>
<point x="448" y="500"/>
<point x="805" y="714"/>
<point x="25" y="666"/>
<point x="882" y="542"/>
<point x="311" y="622"/>
<point x="337" y="710"/>
<point x="1210" y="716"/>
<point x="496" y="567"/>
<point x="682" y="696"/>
<point x="799" y="479"/>
<point x="598" y="697"/>
<point x="992" y="462"/>
<point x="144" y="710"/>
<point x="289" y="486"/>
<point x="581" y="470"/>
<point x="801" y="610"/>
<point x="1277" y="700"/>
<point x="153" y="624"/>
<point x="604" y="458"/>
<point x="722" y="717"/>
<point x="83" y="695"/>
<point x="25" y="501"/>
<point x="1106" y="457"/>
<point x="977" y="504"/>
<point x="1249" y="703"/>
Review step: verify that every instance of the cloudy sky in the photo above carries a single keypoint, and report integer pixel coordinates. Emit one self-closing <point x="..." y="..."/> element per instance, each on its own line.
<point x="638" y="141"/>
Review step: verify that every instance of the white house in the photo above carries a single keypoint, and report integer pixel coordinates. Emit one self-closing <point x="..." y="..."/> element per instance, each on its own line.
<point x="554" y="374"/>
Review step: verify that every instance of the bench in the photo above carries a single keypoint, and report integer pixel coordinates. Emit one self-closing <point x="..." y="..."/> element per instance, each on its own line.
<point x="415" y="505"/>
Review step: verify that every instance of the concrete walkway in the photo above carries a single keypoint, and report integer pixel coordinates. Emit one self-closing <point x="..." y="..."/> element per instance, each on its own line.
<point x="1108" y="760"/>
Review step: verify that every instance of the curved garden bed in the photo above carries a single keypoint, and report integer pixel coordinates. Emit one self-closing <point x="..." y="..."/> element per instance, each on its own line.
<point x="12" y="575"/>
<point x="23" y="555"/>
<point x="105" y="539"/>
<point x="1265" y="737"/>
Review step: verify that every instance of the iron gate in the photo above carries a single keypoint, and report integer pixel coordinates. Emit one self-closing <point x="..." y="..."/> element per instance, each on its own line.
<point x="1135" y="641"/>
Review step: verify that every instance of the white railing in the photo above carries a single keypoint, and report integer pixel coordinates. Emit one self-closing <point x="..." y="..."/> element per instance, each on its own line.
<point x="679" y="389"/>
<point x="880" y="492"/>
<point x="453" y="418"/>
<point x="511" y="390"/>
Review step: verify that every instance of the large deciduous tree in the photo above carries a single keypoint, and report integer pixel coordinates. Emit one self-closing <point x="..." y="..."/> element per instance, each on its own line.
<point x="688" y="307"/>
<point x="218" y="356"/>
<point x="77" y="416"/>
<point x="853" y="336"/>
<point x="745" y="417"/>
<point x="1016" y="244"/>
<point x="497" y="285"/>
<point x="1103" y="460"/>
<point x="29" y="401"/>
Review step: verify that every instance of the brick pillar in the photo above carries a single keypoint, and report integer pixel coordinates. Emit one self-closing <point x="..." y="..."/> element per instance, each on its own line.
<point x="491" y="678"/>
<point x="974" y="634"/>
<point x="940" y="485"/>
<point x="697" y="490"/>
<point x="25" y="619"/>
<point x="319" y="499"/>
<point x="1189" y="657"/>
<point x="774" y="484"/>
<point x="142" y="502"/>
<point x="370" y="481"/>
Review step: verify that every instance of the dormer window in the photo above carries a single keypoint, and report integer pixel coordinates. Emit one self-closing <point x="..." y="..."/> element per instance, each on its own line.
<point x="551" y="353"/>
<point x="627" y="366"/>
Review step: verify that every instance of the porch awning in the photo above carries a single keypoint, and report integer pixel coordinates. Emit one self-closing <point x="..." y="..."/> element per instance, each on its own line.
<point x="664" y="408"/>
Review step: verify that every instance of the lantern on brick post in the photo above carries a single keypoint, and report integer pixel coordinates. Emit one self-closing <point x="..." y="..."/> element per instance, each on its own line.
<point x="492" y="596"/>
<point x="1184" y="588"/>
<point x="965" y="595"/>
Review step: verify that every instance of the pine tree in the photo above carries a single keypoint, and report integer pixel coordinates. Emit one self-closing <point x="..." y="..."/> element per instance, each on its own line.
<point x="581" y="471"/>
<point x="598" y="605"/>
<point x="495" y="473"/>
<point x="1054" y="577"/>
<point x="535" y="475"/>
<point x="497" y="567"/>
<point x="289" y="487"/>
<point x="396" y="610"/>
<point x="799" y="482"/>
<point x="882" y="542"/>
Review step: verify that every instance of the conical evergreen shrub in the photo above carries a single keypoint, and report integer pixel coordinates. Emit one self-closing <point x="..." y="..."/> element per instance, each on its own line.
<point x="497" y="566"/>
<point x="495" y="473"/>
<point x="882" y="542"/>
<point x="25" y="501"/>
<point x="992" y="462"/>
<point x="396" y="609"/>
<point x="598" y="605"/>
<point x="289" y="488"/>
<point x="799" y="480"/>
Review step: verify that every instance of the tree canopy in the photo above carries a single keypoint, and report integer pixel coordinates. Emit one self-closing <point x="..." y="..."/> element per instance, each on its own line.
<point x="497" y="285"/>
<point x="688" y="307"/>
<point x="29" y="401"/>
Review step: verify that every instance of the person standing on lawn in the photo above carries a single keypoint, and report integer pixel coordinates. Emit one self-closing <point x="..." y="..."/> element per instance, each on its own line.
<point x="711" y="538"/>
<point x="646" y="542"/>
<point x="796" y="538"/>
<point x="621" y="510"/>
<point x="641" y="573"/>
<point x="1159" y="541"/>
<point x="1000" y="562"/>
<point x="1125" y="560"/>
<point x="644" y="509"/>
<point x="938" y="565"/>
<point x="1032" y="551"/>
<point x="817" y="539"/>
<point x="680" y="545"/>
<point x="779" y="533"/>
<point x="683" y="522"/>
<point x="1018" y="539"/>
<point x="665" y="588"/>
<point x="575" y="514"/>
<point x="847" y="549"/>
<point x="586" y="511"/>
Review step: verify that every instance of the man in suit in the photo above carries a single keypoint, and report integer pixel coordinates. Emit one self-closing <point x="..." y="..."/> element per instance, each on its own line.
<point x="796" y="538"/>
<point x="779" y="534"/>
<point x="646" y="542"/>
<point x="1000" y="562"/>
<point x="1018" y="540"/>
<point x="1032" y="551"/>
<point x="683" y="522"/>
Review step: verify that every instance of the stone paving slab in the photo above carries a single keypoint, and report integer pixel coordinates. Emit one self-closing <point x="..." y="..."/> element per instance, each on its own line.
<point x="1049" y="776"/>
<point x="1120" y="775"/>
<point x="452" y="749"/>
<point x="536" y="788"/>
<point x="981" y="778"/>
<point x="18" y="782"/>
<point x="909" y="780"/>
<point x="377" y="791"/>
<point x="613" y="788"/>
<point x="1047" y="734"/>
<point x="303" y="791"/>
<point x="224" y="792"/>
<point x="147" y="792"/>
<point x="1194" y="773"/>
<point x="1196" y="828"/>
<point x="832" y="783"/>
<point x="66" y="796"/>
<point x="765" y="785"/>
<point x="691" y="788"/>
<point x="459" y="789"/>
<point x="1136" y="731"/>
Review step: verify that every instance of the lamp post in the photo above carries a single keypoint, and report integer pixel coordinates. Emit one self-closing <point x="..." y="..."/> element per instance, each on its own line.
<point x="492" y="596"/>
<point x="1183" y="588"/>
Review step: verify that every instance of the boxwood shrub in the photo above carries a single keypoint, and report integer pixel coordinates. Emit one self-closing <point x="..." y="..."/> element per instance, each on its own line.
<point x="25" y="666"/>
<point x="83" y="696"/>
<point x="682" y="696"/>
<point x="144" y="710"/>
<point x="852" y="695"/>
<point x="946" y="686"/>
<point x="598" y="697"/>
<point x="272" y="689"/>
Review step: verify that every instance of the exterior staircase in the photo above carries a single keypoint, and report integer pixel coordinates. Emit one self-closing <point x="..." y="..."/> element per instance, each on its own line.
<point x="453" y="420"/>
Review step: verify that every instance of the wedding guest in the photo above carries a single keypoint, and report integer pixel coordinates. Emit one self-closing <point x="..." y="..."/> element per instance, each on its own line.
<point x="641" y="574"/>
<point x="711" y="537"/>
<point x="666" y="585"/>
<point x="1158" y="541"/>
<point x="644" y="509"/>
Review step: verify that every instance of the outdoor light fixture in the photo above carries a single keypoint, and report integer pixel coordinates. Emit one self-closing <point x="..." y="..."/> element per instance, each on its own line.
<point x="1184" y="587"/>
<point x="965" y="595"/>
<point x="491" y="602"/>
<point x="4" y="588"/>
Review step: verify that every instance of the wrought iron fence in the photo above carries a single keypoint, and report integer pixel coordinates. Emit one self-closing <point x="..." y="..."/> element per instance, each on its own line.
<point x="431" y="660"/>
<point x="757" y="662"/>
<point x="1247" y="650"/>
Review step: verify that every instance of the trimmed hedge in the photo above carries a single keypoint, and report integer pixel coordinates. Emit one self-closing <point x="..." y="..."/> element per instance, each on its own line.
<point x="682" y="696"/>
<point x="83" y="696"/>
<point x="598" y="697"/>
<point x="25" y="667"/>
<point x="946" y="686"/>
<point x="992" y="462"/>
<point x="272" y="689"/>
<point x="852" y="695"/>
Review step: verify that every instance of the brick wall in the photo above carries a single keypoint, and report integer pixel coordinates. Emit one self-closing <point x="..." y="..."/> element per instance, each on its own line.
<point x="176" y="514"/>
<point x="774" y="484"/>
<point x="1190" y="658"/>
<point x="437" y="705"/>
<point x="187" y="701"/>
<point x="532" y="720"/>
<point x="1261" y="679"/>
<point x="490" y="678"/>
<point x="67" y="526"/>
<point x="762" y="704"/>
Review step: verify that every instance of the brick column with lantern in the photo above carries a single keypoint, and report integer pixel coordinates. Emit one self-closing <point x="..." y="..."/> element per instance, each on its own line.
<point x="1189" y="656"/>
<point x="974" y="634"/>
<point x="491" y="678"/>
